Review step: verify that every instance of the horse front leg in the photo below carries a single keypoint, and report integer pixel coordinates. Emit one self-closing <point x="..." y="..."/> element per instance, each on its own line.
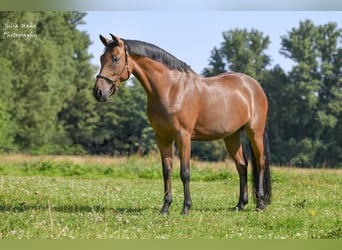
<point x="165" y="148"/>
<point x="184" y="145"/>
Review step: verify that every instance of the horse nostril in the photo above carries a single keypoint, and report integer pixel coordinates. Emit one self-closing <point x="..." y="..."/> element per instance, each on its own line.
<point x="99" y="93"/>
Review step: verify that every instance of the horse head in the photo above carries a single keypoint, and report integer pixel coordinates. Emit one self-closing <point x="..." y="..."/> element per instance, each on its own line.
<point x="114" y="68"/>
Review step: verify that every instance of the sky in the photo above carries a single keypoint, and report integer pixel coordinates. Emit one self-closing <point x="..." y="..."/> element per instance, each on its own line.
<point x="191" y="35"/>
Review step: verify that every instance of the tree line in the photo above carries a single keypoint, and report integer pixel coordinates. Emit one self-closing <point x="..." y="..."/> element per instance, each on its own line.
<point x="47" y="107"/>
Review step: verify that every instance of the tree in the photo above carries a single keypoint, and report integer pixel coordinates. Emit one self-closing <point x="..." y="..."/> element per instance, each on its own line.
<point x="45" y="68"/>
<point x="78" y="114"/>
<point x="244" y="51"/>
<point x="47" y="83"/>
<point x="216" y="64"/>
<point x="7" y="128"/>
<point x="279" y="93"/>
<point x="316" y="80"/>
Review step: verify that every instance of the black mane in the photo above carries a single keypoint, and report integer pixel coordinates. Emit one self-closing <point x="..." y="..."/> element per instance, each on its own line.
<point x="145" y="49"/>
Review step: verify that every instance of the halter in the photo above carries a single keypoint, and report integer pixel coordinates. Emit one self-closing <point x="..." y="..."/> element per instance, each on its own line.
<point x="114" y="81"/>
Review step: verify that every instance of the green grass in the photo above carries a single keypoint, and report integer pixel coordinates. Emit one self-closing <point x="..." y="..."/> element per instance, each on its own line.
<point x="103" y="198"/>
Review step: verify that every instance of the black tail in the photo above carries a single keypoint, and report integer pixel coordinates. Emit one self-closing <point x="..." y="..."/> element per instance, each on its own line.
<point x="267" y="176"/>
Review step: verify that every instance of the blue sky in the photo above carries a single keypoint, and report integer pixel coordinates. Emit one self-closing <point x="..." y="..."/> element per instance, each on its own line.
<point x="191" y="35"/>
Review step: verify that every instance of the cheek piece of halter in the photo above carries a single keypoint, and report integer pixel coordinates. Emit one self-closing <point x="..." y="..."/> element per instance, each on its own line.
<point x="115" y="81"/>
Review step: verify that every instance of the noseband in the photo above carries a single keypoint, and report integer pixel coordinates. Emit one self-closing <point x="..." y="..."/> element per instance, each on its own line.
<point x="114" y="81"/>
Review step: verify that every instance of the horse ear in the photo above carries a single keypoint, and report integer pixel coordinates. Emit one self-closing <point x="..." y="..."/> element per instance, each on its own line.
<point x="116" y="39"/>
<point x="104" y="40"/>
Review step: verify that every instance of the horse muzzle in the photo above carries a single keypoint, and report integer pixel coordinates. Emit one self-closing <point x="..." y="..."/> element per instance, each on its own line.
<point x="101" y="94"/>
<point x="104" y="88"/>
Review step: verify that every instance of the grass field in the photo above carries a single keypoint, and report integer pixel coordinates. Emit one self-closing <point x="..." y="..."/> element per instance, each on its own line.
<point x="103" y="198"/>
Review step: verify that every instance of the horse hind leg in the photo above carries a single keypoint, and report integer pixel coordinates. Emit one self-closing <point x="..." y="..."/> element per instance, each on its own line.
<point x="235" y="150"/>
<point x="260" y="167"/>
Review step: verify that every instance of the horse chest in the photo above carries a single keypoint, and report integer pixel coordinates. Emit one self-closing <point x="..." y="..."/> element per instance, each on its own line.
<point x="162" y="126"/>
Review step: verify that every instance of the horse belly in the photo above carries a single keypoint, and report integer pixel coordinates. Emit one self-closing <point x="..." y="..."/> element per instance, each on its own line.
<point x="213" y="130"/>
<point x="221" y="119"/>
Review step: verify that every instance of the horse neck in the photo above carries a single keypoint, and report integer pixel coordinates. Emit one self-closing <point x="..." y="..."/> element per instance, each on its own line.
<point x="155" y="77"/>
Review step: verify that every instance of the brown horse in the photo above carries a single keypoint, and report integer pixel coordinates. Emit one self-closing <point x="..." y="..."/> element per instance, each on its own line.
<point x="184" y="106"/>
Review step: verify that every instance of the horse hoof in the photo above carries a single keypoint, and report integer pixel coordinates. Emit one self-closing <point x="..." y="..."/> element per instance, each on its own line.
<point x="164" y="213"/>
<point x="260" y="209"/>
<point x="185" y="212"/>
<point x="237" y="209"/>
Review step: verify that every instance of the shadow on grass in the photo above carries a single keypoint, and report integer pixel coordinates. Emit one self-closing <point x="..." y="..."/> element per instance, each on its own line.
<point x="24" y="207"/>
<point x="222" y="209"/>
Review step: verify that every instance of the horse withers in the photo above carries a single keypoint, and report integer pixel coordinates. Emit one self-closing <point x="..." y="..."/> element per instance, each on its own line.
<point x="183" y="106"/>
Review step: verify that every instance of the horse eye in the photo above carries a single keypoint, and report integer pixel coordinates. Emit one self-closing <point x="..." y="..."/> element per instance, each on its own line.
<point x="115" y="59"/>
